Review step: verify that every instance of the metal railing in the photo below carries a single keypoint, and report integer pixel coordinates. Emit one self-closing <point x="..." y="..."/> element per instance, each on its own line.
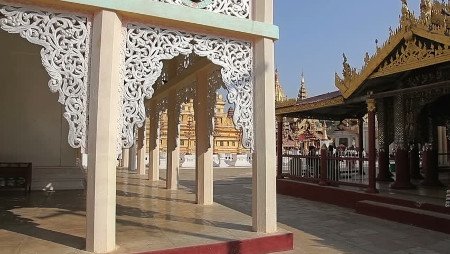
<point x="342" y="167"/>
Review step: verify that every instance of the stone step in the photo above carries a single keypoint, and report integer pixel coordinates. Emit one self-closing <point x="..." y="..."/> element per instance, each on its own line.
<point x="407" y="215"/>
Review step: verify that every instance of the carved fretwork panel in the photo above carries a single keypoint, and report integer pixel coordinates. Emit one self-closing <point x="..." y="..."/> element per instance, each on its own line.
<point x="399" y="122"/>
<point x="147" y="47"/>
<point x="390" y="127"/>
<point x="237" y="8"/>
<point x="381" y="118"/>
<point x="413" y="54"/>
<point x="65" y="40"/>
<point x="412" y="111"/>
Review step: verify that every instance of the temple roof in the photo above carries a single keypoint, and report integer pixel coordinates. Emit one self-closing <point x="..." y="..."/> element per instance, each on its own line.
<point x="302" y="93"/>
<point x="325" y="106"/>
<point x="279" y="92"/>
<point x="417" y="42"/>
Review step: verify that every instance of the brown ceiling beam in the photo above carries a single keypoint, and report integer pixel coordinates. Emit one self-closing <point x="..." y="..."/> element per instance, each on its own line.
<point x="184" y="79"/>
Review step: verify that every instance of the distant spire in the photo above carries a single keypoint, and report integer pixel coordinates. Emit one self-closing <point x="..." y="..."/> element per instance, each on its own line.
<point x="279" y="93"/>
<point x="302" y="93"/>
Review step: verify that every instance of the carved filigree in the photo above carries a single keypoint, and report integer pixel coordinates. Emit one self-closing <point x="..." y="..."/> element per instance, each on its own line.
<point x="413" y="53"/>
<point x="148" y="46"/>
<point x="184" y="62"/>
<point x="236" y="59"/>
<point x="145" y="50"/>
<point x="237" y="8"/>
<point x="391" y="57"/>
<point x="348" y="74"/>
<point x="184" y="95"/>
<point x="65" y="42"/>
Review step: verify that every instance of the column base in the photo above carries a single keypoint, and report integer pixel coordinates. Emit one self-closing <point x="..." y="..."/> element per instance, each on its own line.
<point x="381" y="178"/>
<point x="371" y="190"/>
<point x="384" y="175"/>
<point x="402" y="177"/>
<point x="417" y="176"/>
<point x="324" y="183"/>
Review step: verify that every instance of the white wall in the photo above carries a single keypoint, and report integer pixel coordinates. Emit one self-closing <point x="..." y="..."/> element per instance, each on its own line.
<point x="32" y="128"/>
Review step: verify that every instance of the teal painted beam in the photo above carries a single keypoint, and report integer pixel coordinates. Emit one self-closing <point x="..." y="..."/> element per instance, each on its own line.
<point x="186" y="14"/>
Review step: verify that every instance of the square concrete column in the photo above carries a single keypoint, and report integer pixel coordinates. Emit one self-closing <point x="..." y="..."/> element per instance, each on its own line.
<point x="173" y="143"/>
<point x="204" y="117"/>
<point x="141" y="150"/>
<point x="153" y="170"/>
<point x="103" y="132"/>
<point x="132" y="158"/>
<point x="125" y="159"/>
<point x="264" y="203"/>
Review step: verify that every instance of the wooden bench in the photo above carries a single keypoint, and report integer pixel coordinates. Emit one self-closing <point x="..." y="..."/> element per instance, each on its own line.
<point x="12" y="174"/>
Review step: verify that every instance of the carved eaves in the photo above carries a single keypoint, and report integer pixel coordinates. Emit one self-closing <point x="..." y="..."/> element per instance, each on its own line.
<point x="417" y="42"/>
<point x="413" y="54"/>
<point x="310" y="106"/>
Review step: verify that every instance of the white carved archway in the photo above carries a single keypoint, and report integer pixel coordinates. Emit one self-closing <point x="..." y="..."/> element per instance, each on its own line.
<point x="146" y="48"/>
<point x="65" y="40"/>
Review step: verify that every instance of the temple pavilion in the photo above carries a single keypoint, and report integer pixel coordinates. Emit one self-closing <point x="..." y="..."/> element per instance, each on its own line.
<point x="404" y="90"/>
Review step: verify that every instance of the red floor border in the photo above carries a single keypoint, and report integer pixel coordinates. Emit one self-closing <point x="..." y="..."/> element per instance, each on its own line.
<point x="259" y="245"/>
<point x="351" y="199"/>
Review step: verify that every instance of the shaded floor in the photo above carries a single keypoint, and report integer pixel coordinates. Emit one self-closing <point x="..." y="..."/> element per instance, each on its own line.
<point x="150" y="217"/>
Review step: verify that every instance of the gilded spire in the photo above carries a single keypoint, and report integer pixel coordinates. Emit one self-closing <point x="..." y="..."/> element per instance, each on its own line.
<point x="302" y="93"/>
<point x="279" y="93"/>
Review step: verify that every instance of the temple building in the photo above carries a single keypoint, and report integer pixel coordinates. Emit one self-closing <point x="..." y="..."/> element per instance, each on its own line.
<point x="402" y="93"/>
<point x="227" y="139"/>
<point x="301" y="134"/>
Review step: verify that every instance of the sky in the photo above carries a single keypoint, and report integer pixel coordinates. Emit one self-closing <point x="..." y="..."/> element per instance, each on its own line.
<point x="315" y="33"/>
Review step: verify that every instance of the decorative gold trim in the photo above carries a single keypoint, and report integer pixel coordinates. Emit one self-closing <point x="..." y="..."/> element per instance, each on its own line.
<point x="433" y="24"/>
<point x="371" y="105"/>
<point x="414" y="54"/>
<point x="309" y="106"/>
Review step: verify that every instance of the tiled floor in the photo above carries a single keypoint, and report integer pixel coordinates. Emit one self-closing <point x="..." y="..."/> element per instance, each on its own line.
<point x="150" y="217"/>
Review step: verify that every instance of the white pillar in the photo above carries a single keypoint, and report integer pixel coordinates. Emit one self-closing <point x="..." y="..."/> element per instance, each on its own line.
<point x="141" y="150"/>
<point x="103" y="131"/>
<point x="132" y="158"/>
<point x="173" y="146"/>
<point x="264" y="208"/>
<point x="204" y="141"/>
<point x="153" y="171"/>
<point x="125" y="159"/>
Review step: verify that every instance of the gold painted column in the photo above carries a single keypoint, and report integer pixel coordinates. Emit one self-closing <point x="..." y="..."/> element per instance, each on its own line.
<point x="402" y="174"/>
<point x="103" y="132"/>
<point x="264" y="199"/>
